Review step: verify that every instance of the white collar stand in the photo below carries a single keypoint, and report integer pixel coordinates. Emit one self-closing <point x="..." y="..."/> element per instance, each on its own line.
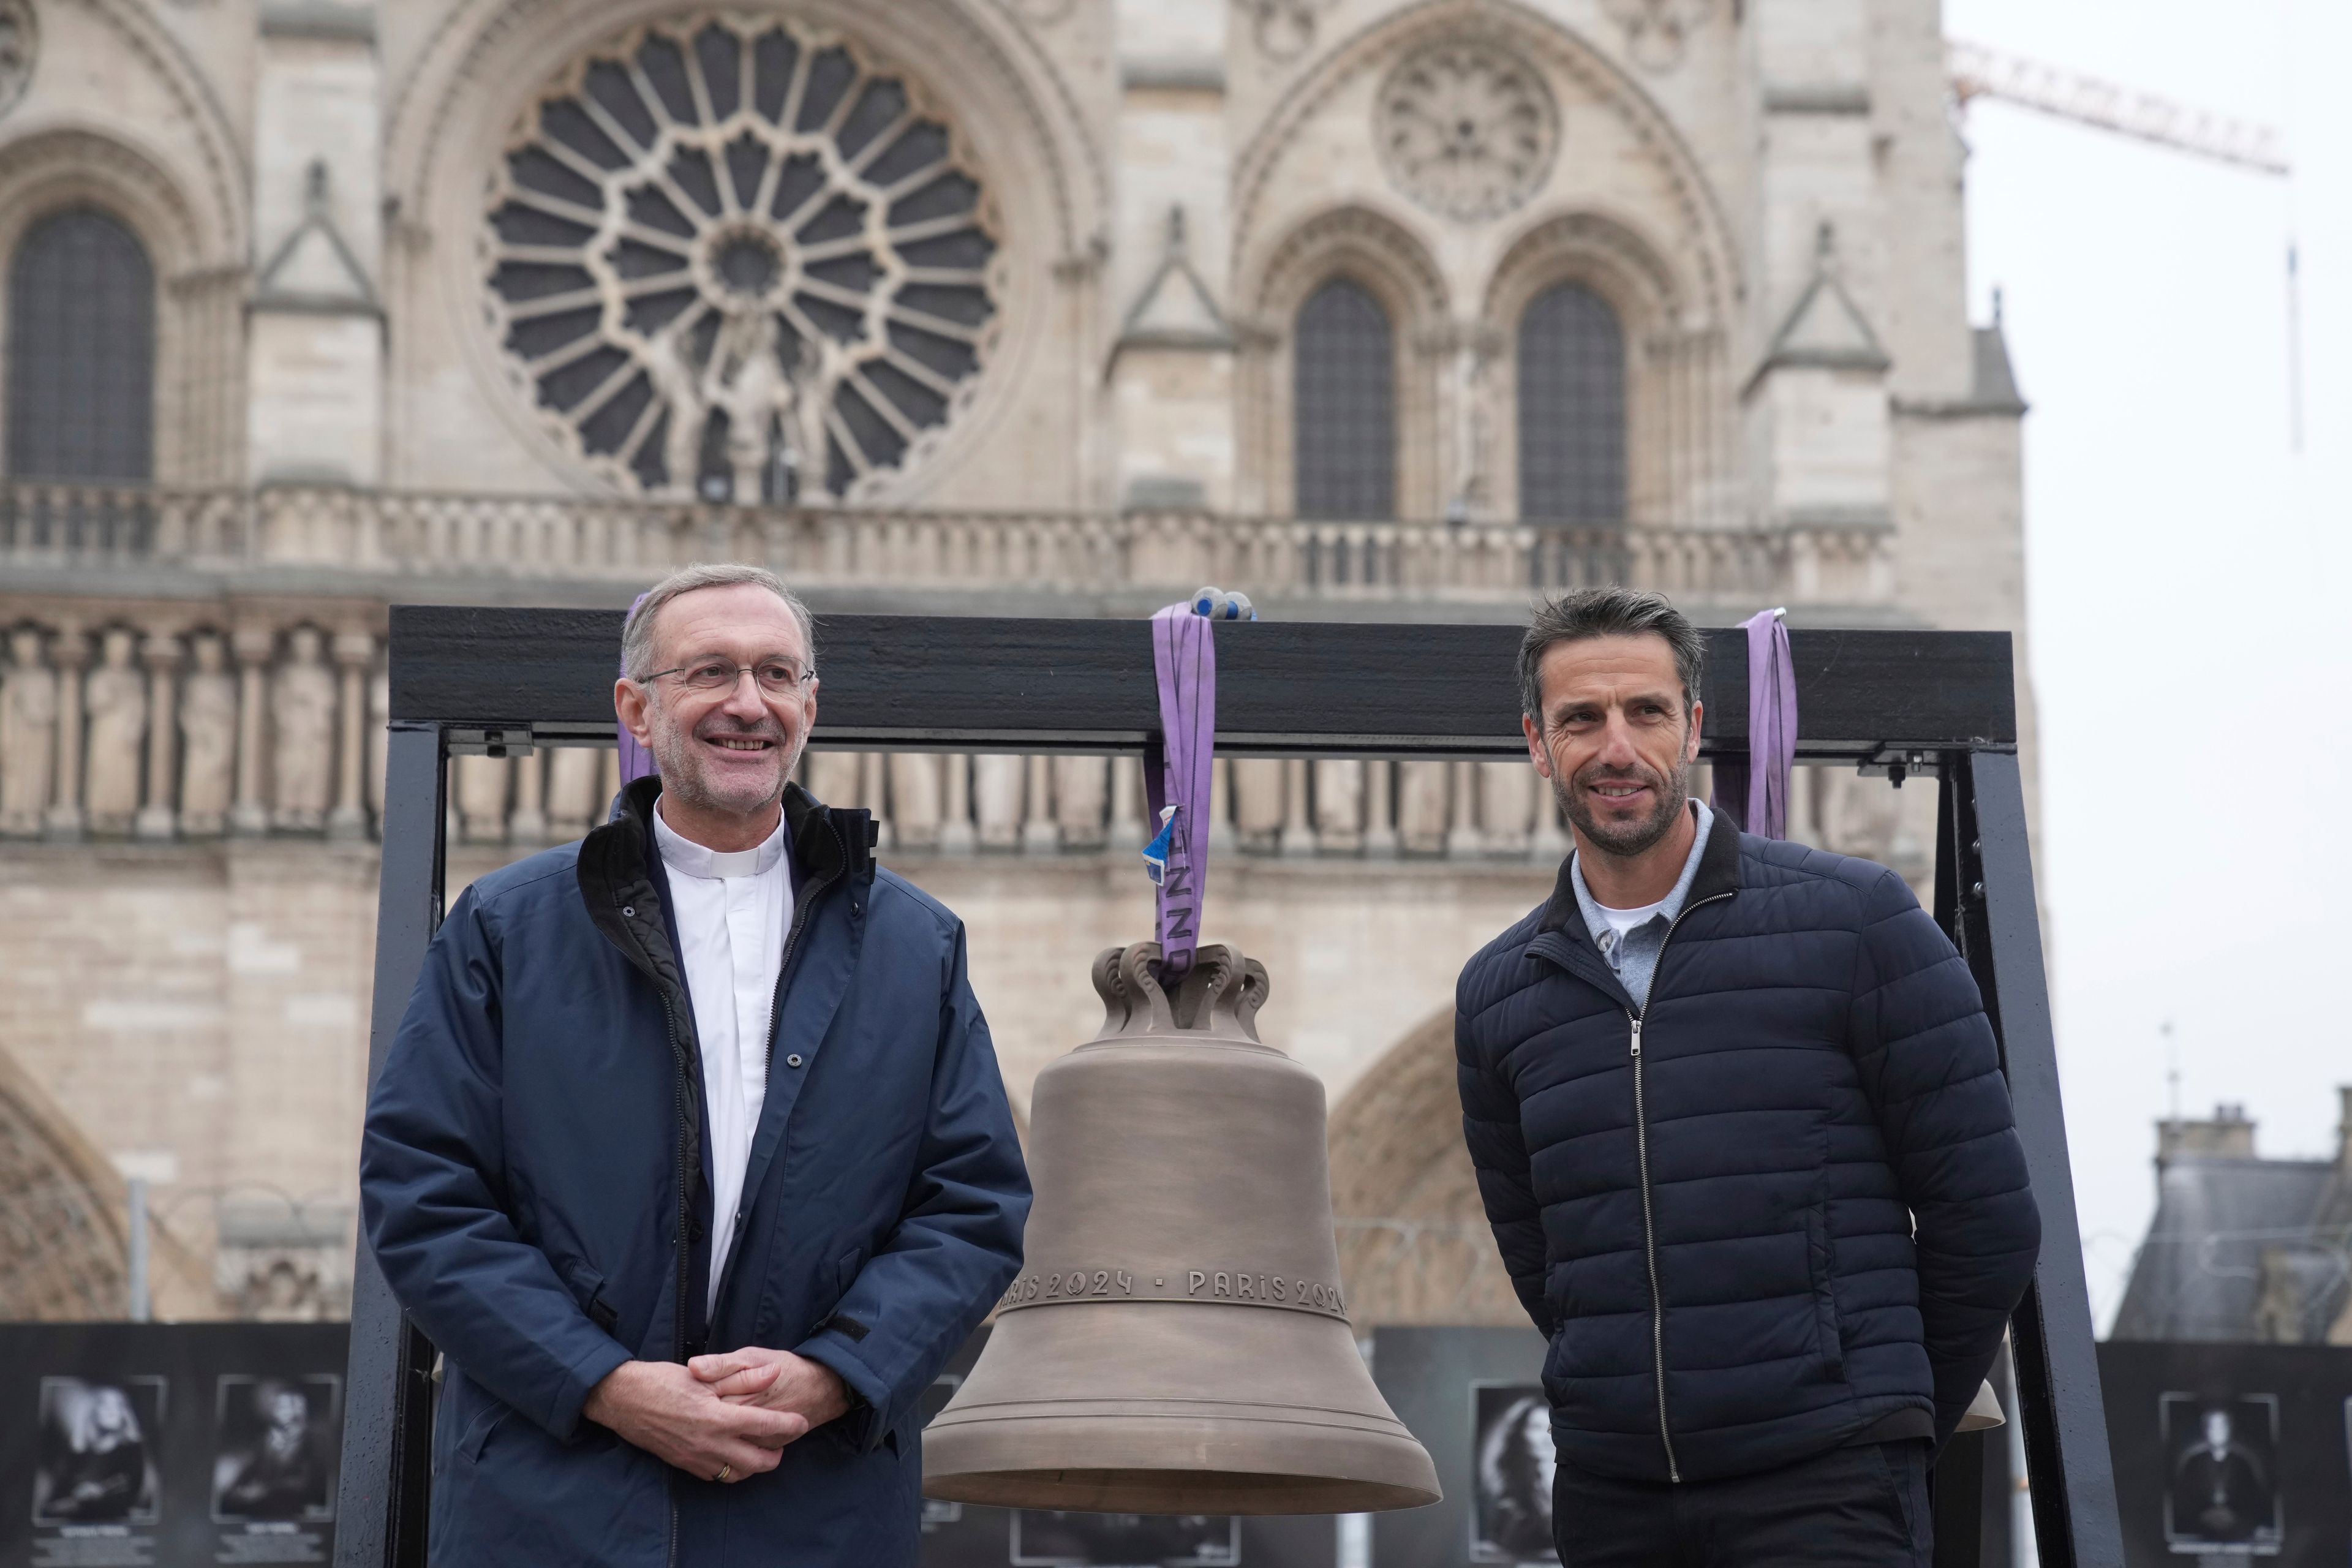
<point x="688" y="858"/>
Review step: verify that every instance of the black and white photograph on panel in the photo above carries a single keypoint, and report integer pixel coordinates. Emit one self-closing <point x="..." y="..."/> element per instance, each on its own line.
<point x="2221" y="1492"/>
<point x="96" y="1459"/>
<point x="1043" y="1538"/>
<point x="1512" y="1463"/>
<point x="274" y="1462"/>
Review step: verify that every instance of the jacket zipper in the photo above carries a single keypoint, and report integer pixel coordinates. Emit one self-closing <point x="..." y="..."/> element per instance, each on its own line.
<point x="1649" y="1221"/>
<point x="801" y="907"/>
<point x="684" y="1249"/>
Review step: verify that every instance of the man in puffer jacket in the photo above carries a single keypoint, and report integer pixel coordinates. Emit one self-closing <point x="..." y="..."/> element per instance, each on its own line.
<point x="1741" y="1130"/>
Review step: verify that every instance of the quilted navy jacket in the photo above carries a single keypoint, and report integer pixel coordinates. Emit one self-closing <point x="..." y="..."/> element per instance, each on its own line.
<point x="1708" y="1207"/>
<point x="529" y="1180"/>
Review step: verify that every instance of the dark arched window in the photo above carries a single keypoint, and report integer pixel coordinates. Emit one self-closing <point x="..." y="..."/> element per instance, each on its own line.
<point x="1345" y="404"/>
<point x="81" y="351"/>
<point x="1572" y="409"/>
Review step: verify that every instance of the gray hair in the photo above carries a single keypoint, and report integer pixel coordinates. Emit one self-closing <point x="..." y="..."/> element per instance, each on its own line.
<point x="1603" y="613"/>
<point x="637" y="634"/>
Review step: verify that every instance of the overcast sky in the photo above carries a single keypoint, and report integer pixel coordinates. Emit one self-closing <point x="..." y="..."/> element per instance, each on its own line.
<point x="2188" y="572"/>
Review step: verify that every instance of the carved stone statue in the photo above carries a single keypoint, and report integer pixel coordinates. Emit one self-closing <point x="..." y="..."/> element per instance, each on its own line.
<point x="302" y="700"/>
<point x="115" y="699"/>
<point x="1421" y="806"/>
<point x="28" y="722"/>
<point x="208" y="722"/>
<point x="1080" y="794"/>
<point x="573" y="772"/>
<point x="1257" y="802"/>
<point x="1339" y="804"/>
<point x="1506" y="801"/>
<point x="831" y="777"/>
<point x="482" y="787"/>
<point x="997" y="790"/>
<point x="915" y="798"/>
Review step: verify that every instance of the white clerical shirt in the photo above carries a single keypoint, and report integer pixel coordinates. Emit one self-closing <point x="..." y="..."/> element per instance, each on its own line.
<point x="732" y="912"/>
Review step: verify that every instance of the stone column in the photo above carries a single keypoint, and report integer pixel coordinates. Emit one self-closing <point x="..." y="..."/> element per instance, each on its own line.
<point x="831" y="777"/>
<point x="354" y="652"/>
<point x="208" y="738"/>
<point x="874" y="795"/>
<point x="255" y="645"/>
<point x="1380" y="817"/>
<point x="957" y="836"/>
<point x="1297" y="829"/>
<point x="161" y="654"/>
<point x="1462" y="835"/>
<point x="1339" y="804"/>
<point x="71" y="652"/>
<point x="1127" y="803"/>
<point x="1040" y="834"/>
<point x="28" y="732"/>
<point x="996" y="799"/>
<point x="114" y="703"/>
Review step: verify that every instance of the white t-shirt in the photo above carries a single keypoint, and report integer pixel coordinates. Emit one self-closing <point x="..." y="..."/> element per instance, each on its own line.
<point x="733" y="910"/>
<point x="1622" y="922"/>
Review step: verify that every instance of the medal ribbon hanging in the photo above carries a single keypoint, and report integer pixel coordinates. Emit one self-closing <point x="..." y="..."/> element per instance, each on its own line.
<point x="1178" y="770"/>
<point x="1756" y="790"/>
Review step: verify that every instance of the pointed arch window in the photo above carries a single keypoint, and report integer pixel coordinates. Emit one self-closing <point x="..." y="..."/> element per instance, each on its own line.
<point x="1572" y="387"/>
<point x="81" y="350"/>
<point x="1344" y="404"/>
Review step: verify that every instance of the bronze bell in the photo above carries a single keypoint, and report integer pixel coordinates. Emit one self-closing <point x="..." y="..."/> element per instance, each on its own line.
<point x="1176" y="1341"/>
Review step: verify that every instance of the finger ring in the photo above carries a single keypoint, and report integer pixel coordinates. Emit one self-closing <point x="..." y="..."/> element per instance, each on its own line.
<point x="724" y="1472"/>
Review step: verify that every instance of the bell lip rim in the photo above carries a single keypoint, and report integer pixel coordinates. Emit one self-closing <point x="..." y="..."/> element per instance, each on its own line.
<point x="1386" y="1496"/>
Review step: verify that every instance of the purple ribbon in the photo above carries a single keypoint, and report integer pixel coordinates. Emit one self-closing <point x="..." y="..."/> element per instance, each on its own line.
<point x="1184" y="655"/>
<point x="1755" y="790"/>
<point x="635" y="761"/>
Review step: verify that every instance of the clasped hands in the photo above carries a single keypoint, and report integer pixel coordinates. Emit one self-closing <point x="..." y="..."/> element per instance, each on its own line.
<point x="722" y="1416"/>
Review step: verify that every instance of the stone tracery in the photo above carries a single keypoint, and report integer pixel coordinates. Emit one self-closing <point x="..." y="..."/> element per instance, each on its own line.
<point x="1467" y="129"/>
<point x="750" y="263"/>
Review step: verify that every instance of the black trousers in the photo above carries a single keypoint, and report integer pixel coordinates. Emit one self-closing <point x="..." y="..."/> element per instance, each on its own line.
<point x="1860" y="1507"/>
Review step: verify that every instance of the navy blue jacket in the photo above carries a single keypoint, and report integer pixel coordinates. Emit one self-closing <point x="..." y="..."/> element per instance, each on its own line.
<point x="1709" y="1212"/>
<point x="530" y="1178"/>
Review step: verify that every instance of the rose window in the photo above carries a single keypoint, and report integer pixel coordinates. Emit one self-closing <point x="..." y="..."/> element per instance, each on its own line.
<point x="734" y="258"/>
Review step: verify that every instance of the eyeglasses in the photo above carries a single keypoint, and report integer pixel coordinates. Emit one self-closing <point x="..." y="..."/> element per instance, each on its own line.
<point x="777" y="677"/>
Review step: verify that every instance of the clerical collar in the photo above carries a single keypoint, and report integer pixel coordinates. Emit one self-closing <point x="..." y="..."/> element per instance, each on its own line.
<point x="688" y="858"/>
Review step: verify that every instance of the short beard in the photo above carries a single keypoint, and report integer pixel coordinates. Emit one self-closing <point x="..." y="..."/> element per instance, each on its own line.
<point x="681" y="769"/>
<point x="1624" y="843"/>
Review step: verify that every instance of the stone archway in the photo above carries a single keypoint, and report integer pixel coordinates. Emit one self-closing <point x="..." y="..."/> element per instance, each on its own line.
<point x="1415" y="1247"/>
<point x="62" y="1254"/>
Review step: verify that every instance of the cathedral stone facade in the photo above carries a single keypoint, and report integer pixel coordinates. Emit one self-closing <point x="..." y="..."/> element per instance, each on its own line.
<point x="1386" y="309"/>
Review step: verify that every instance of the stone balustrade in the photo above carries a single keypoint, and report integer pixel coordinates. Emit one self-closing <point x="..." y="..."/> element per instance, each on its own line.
<point x="292" y="529"/>
<point x="168" y="726"/>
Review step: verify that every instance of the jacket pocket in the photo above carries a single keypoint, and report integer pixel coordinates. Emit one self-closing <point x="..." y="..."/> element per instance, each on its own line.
<point x="1821" y="1256"/>
<point x="477" y="1433"/>
<point x="588" y="1289"/>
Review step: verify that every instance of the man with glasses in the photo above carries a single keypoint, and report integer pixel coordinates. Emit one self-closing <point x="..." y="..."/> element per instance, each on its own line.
<point x="691" y="1156"/>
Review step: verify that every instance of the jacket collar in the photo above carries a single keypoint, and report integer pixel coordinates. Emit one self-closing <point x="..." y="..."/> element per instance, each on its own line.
<point x="625" y="904"/>
<point x="1718" y="872"/>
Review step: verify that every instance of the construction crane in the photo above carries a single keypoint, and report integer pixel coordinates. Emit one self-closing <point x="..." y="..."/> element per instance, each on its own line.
<point x="1976" y="71"/>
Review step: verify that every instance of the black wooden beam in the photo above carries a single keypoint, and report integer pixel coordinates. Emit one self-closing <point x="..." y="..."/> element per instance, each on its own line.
<point x="1284" y="688"/>
<point x="1985" y="892"/>
<point x="388" y="1398"/>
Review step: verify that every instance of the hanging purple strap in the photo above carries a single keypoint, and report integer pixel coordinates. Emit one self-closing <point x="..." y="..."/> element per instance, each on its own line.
<point x="635" y="761"/>
<point x="1185" y="655"/>
<point x="1756" y="790"/>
